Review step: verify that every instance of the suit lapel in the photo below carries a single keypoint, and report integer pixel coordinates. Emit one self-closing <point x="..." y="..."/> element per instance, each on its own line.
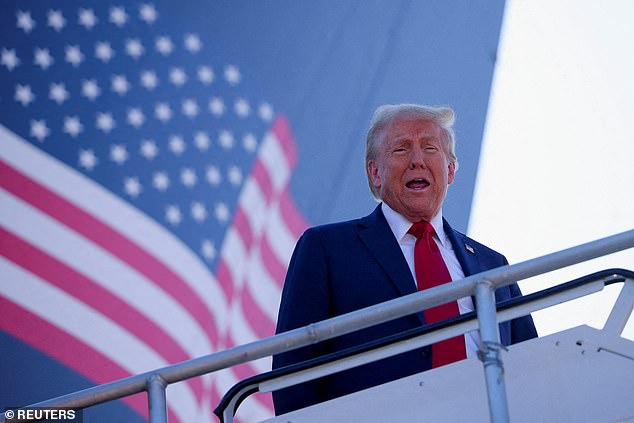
<point x="465" y="251"/>
<point x="379" y="239"/>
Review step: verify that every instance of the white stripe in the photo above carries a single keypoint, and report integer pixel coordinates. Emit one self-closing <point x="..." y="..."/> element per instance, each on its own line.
<point x="112" y="210"/>
<point x="253" y="203"/>
<point x="279" y="236"/>
<point x="274" y="161"/>
<point x="92" y="328"/>
<point x="250" y="410"/>
<point x="204" y="413"/>
<point x="234" y="256"/>
<point x="106" y="270"/>
<point x="264" y="290"/>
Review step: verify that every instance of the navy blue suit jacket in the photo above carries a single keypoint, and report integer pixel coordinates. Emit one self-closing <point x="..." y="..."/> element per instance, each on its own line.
<point x="342" y="267"/>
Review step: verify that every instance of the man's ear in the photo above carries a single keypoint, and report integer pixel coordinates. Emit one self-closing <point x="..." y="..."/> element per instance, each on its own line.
<point x="451" y="169"/>
<point x="373" y="174"/>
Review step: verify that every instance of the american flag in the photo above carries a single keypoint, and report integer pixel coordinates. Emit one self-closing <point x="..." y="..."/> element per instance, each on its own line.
<point x="145" y="216"/>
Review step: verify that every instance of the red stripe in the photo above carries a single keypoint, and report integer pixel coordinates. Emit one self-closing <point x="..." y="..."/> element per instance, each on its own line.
<point x="263" y="180"/>
<point x="265" y="399"/>
<point x="110" y="239"/>
<point x="95" y="296"/>
<point x="292" y="217"/>
<point x="282" y="131"/>
<point x="259" y="322"/>
<point x="243" y="371"/>
<point x="272" y="263"/>
<point x="243" y="227"/>
<point x="64" y="348"/>
<point x="223" y="275"/>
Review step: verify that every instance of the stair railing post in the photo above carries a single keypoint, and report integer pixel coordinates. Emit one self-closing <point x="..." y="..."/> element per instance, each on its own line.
<point x="490" y="352"/>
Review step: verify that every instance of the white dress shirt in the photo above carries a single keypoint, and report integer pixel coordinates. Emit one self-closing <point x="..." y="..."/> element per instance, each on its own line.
<point x="400" y="225"/>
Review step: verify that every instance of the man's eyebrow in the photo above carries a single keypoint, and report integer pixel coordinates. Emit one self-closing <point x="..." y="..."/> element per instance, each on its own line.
<point x="422" y="135"/>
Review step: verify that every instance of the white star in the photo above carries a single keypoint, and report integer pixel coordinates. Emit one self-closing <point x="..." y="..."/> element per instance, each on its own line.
<point x="202" y="141"/>
<point x="234" y="174"/>
<point x="87" y="159"/>
<point x="118" y="16"/>
<point x="103" y="51"/>
<point x="149" y="80"/>
<point x="24" y="95"/>
<point x="176" y="144"/>
<point x="164" y="45"/>
<point x="39" y="129"/>
<point x="105" y="122"/>
<point x="72" y="126"/>
<point x="173" y="215"/>
<point x="25" y="22"/>
<point x="226" y="139"/>
<point x="136" y="117"/>
<point x="148" y="13"/>
<point x="232" y="75"/>
<point x="58" y="93"/>
<point x="149" y="150"/>
<point x="177" y="76"/>
<point x="205" y="75"/>
<point x="90" y="89"/>
<point x="134" y="48"/>
<point x="132" y="187"/>
<point x="190" y="108"/>
<point x="74" y="56"/>
<point x="192" y="43"/>
<point x="265" y="111"/>
<point x="199" y="212"/>
<point x="222" y="212"/>
<point x="241" y="107"/>
<point x="188" y="177"/>
<point x="216" y="106"/>
<point x="87" y="18"/>
<point x="9" y="59"/>
<point x="120" y="84"/>
<point x="56" y="20"/>
<point x="208" y="250"/>
<point x="249" y="142"/>
<point x="42" y="58"/>
<point x="213" y="176"/>
<point x="163" y="112"/>
<point x="118" y="153"/>
<point x="161" y="181"/>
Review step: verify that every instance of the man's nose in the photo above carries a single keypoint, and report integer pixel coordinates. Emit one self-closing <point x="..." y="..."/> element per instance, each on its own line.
<point x="417" y="158"/>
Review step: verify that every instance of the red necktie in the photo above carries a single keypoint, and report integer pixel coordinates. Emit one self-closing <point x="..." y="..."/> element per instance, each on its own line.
<point x="431" y="271"/>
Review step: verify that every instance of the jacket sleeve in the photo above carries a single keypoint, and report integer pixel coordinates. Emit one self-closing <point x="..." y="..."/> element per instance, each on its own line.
<point x="523" y="327"/>
<point x="305" y="300"/>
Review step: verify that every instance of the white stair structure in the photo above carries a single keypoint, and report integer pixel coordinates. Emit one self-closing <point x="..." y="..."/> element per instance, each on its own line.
<point x="578" y="375"/>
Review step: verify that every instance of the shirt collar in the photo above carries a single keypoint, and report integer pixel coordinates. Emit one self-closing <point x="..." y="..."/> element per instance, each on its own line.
<point x="400" y="225"/>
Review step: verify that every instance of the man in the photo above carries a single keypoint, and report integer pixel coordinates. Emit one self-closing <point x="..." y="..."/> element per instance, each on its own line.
<point x="342" y="267"/>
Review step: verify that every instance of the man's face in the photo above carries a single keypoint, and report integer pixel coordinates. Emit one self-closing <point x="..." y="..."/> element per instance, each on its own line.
<point x="411" y="170"/>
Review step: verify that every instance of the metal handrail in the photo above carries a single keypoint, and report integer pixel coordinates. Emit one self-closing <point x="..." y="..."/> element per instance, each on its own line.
<point x="415" y="338"/>
<point x="482" y="285"/>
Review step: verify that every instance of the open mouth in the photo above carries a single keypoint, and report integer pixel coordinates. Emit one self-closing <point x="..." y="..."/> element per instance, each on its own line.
<point x="417" y="184"/>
